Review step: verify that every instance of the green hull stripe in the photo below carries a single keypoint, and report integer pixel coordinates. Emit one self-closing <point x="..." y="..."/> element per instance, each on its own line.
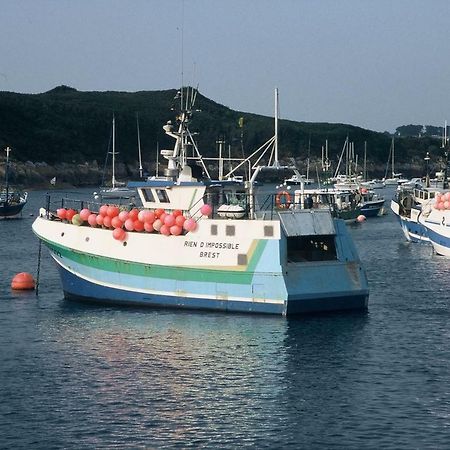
<point x="157" y="271"/>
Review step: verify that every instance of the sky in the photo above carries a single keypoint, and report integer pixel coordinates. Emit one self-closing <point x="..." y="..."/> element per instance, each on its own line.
<point x="377" y="64"/>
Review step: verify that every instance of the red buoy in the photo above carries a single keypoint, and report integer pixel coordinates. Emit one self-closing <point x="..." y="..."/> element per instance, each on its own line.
<point x="22" y="281"/>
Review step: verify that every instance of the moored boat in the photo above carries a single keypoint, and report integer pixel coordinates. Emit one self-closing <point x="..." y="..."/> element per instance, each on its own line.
<point x="188" y="248"/>
<point x="12" y="200"/>
<point x="408" y="204"/>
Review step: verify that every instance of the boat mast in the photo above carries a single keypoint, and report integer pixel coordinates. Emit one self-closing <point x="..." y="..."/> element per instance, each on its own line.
<point x="276" y="163"/>
<point x="113" y="179"/>
<point x="7" y="150"/>
<point x="365" y="161"/>
<point x="139" y="146"/>
<point x="393" y="156"/>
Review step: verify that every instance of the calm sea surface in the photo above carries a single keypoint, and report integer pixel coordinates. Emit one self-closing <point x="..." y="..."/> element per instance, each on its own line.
<point x="75" y="376"/>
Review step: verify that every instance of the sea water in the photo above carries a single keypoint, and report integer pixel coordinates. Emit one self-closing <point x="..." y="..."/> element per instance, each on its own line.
<point x="75" y="376"/>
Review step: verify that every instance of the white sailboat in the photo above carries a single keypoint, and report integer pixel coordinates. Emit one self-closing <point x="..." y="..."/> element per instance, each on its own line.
<point x="396" y="178"/>
<point x="117" y="190"/>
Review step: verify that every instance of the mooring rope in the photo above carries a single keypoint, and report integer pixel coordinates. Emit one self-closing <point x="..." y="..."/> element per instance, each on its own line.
<point x="38" y="268"/>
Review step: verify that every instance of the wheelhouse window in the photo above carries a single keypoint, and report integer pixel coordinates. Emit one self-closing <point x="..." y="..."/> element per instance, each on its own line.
<point x="311" y="248"/>
<point x="162" y="196"/>
<point x="148" y="195"/>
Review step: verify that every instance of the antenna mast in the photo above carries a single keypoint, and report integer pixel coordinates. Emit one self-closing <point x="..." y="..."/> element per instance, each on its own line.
<point x="275" y="163"/>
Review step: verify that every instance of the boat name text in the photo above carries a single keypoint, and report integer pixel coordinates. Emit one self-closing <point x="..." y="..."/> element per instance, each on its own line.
<point x="217" y="245"/>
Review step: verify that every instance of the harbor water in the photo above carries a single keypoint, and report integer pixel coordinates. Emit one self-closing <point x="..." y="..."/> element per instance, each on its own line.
<point x="78" y="376"/>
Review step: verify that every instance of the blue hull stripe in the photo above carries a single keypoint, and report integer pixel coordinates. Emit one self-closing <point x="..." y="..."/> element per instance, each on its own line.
<point x="80" y="289"/>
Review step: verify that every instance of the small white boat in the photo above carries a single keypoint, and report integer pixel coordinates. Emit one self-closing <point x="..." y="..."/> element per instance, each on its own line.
<point x="118" y="190"/>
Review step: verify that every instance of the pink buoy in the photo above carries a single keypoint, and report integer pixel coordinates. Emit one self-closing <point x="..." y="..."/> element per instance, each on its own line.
<point x="441" y="205"/>
<point x="133" y="214"/>
<point x="116" y="222"/>
<point x="149" y="217"/>
<point x="119" y="234"/>
<point x="158" y="212"/>
<point x="107" y="221"/>
<point x="206" y="210"/>
<point x="165" y="230"/>
<point x="69" y="214"/>
<point x="61" y="213"/>
<point x="162" y="217"/>
<point x="103" y="210"/>
<point x="141" y="215"/>
<point x="99" y="219"/>
<point x="123" y="215"/>
<point x="157" y="224"/>
<point x="190" y="224"/>
<point x="176" y="213"/>
<point x="148" y="227"/>
<point x="446" y="204"/>
<point x="138" y="225"/>
<point x="176" y="230"/>
<point x="169" y="220"/>
<point x="129" y="224"/>
<point x="112" y="211"/>
<point x="179" y="220"/>
<point x="92" y="220"/>
<point x="361" y="218"/>
<point x="446" y="196"/>
<point x="84" y="214"/>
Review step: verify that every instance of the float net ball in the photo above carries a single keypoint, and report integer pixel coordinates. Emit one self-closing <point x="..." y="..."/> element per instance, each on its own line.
<point x="179" y="220"/>
<point x="206" y="210"/>
<point x="157" y="224"/>
<point x="116" y="222"/>
<point x="148" y="227"/>
<point x="69" y="214"/>
<point x="169" y="220"/>
<point x="119" y="234"/>
<point x="133" y="214"/>
<point x="84" y="214"/>
<point x="129" y="224"/>
<point x="123" y="216"/>
<point x="77" y="220"/>
<point x="103" y="210"/>
<point x="61" y="213"/>
<point x="190" y="225"/>
<point x="92" y="220"/>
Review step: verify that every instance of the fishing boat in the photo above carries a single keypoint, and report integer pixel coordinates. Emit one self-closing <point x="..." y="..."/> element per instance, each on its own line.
<point x="12" y="200"/>
<point x="408" y="204"/>
<point x="342" y="204"/>
<point x="435" y="218"/>
<point x="183" y="249"/>
<point x="371" y="204"/>
<point x="118" y="189"/>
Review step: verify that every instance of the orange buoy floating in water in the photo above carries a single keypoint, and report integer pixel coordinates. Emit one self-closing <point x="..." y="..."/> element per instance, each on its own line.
<point x="22" y="281"/>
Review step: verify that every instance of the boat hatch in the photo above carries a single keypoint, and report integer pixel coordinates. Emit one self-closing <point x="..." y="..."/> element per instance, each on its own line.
<point x="307" y="223"/>
<point x="311" y="248"/>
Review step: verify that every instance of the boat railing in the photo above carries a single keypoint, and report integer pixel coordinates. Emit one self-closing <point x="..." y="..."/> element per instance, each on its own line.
<point x="241" y="206"/>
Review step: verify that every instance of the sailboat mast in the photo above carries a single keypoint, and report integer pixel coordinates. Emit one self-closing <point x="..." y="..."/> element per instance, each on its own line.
<point x="365" y="161"/>
<point x="393" y="158"/>
<point x="113" y="178"/>
<point x="139" y="147"/>
<point x="6" y="173"/>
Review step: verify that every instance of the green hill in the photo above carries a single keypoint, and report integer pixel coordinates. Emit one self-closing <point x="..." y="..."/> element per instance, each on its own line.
<point x="64" y="125"/>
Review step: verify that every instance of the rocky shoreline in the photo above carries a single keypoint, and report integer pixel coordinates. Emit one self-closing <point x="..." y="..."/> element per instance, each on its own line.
<point x="38" y="175"/>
